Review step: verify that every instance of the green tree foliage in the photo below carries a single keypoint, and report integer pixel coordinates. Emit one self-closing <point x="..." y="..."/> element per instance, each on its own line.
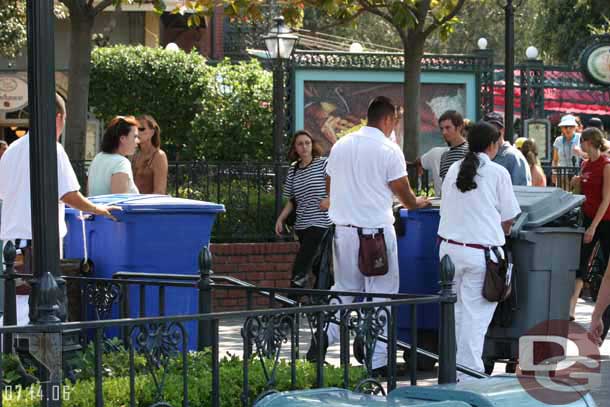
<point x="564" y="23"/>
<point x="13" y="34"/>
<point x="236" y="121"/>
<point x="218" y="112"/>
<point x="170" y="86"/>
<point x="485" y="18"/>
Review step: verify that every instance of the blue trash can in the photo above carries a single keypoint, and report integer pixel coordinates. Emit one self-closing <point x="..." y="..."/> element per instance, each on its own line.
<point x="418" y="265"/>
<point x="153" y="234"/>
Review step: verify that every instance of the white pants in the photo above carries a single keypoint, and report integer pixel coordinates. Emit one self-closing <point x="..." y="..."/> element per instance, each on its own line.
<point x="349" y="278"/>
<point x="473" y="313"/>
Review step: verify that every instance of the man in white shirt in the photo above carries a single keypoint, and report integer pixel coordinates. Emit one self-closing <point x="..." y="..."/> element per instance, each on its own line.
<point x="364" y="171"/>
<point x="431" y="162"/>
<point x="16" y="221"/>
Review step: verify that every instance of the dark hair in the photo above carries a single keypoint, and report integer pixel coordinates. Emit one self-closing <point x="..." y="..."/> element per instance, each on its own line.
<point x="152" y="123"/>
<point x="60" y="105"/>
<point x="595" y="137"/>
<point x="480" y="137"/>
<point x="530" y="151"/>
<point x="455" y="117"/>
<point x="316" y="149"/>
<point x="380" y="108"/>
<point x="118" y="126"/>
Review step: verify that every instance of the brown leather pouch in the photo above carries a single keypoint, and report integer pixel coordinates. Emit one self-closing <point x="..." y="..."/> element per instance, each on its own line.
<point x="497" y="285"/>
<point x="372" y="255"/>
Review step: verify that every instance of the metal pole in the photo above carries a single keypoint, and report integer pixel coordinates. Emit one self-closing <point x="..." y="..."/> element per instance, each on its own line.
<point x="509" y="68"/>
<point x="447" y="342"/>
<point x="278" y="130"/>
<point x="43" y="161"/>
<point x="204" y="328"/>
<point x="46" y="295"/>
<point x="10" y="306"/>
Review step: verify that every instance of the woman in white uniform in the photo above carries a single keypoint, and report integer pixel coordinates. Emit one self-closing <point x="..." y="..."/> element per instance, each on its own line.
<point x="477" y="209"/>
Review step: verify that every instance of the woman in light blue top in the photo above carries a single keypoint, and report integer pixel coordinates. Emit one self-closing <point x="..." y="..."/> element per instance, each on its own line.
<point x="110" y="171"/>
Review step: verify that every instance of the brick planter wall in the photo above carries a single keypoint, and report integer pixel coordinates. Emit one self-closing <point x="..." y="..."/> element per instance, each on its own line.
<point x="261" y="264"/>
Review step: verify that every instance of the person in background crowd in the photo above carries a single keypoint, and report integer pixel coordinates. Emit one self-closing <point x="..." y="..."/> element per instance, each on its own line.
<point x="431" y="162"/>
<point x="15" y="193"/>
<point x="3" y="147"/>
<point x="110" y="171"/>
<point x="596" y="122"/>
<point x="451" y="124"/>
<point x="594" y="182"/>
<point x="149" y="163"/>
<point x="509" y="156"/>
<point x="579" y="126"/>
<point x="365" y="170"/>
<point x="566" y="149"/>
<point x="306" y="186"/>
<point x="478" y="209"/>
<point x="530" y="151"/>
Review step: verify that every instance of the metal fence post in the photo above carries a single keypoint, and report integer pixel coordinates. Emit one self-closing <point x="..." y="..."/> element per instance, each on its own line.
<point x="10" y="294"/>
<point x="447" y="343"/>
<point x="204" y="328"/>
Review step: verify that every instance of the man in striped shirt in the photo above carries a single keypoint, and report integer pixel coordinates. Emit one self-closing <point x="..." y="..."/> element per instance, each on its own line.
<point x="451" y="124"/>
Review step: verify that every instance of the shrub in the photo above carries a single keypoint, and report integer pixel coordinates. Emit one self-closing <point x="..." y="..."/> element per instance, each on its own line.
<point x="236" y="123"/>
<point x="170" y="86"/>
<point x="116" y="381"/>
<point x="220" y="113"/>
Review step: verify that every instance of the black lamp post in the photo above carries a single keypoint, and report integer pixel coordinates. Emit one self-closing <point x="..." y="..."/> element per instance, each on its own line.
<point x="280" y="43"/>
<point x="509" y="66"/>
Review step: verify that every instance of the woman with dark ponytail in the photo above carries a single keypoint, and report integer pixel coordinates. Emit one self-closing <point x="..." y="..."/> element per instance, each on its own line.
<point x="477" y="209"/>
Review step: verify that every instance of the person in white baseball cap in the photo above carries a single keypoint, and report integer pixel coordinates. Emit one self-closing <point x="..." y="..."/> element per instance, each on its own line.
<point x="566" y="148"/>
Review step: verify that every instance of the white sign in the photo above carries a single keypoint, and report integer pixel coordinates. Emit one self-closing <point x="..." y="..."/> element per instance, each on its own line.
<point x="13" y="93"/>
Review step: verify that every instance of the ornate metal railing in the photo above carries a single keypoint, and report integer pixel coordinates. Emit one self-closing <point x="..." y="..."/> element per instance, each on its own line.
<point x="156" y="347"/>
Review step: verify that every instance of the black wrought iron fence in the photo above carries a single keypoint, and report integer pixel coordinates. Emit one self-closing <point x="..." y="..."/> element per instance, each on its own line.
<point x="151" y="363"/>
<point x="247" y="191"/>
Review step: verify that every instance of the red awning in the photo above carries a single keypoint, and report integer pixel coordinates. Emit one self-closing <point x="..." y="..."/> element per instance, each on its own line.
<point x="588" y="102"/>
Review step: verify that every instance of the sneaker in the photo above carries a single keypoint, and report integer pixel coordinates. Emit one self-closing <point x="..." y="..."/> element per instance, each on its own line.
<point x="312" y="353"/>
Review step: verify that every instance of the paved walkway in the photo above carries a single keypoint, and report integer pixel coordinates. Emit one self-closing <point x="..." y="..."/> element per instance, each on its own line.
<point x="231" y="343"/>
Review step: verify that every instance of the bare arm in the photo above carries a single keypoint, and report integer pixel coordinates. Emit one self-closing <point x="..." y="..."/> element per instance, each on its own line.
<point x="603" y="300"/>
<point x="507" y="225"/>
<point x="603" y="206"/>
<point x="119" y="183"/>
<point x="159" y="167"/>
<point x="281" y="219"/>
<point x="77" y="201"/>
<point x="402" y="189"/>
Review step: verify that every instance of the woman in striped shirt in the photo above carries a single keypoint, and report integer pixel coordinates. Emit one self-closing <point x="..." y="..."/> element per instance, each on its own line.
<point x="306" y="187"/>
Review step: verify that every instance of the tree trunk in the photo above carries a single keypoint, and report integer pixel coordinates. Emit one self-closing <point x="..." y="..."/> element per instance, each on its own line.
<point x="413" y="52"/>
<point x="81" y="21"/>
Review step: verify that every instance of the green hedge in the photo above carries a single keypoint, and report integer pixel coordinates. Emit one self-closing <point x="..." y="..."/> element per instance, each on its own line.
<point x="116" y="381"/>
<point x="220" y="112"/>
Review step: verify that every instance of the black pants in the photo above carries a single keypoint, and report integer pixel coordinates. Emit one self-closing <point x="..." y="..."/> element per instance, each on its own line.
<point x="602" y="234"/>
<point x="305" y="261"/>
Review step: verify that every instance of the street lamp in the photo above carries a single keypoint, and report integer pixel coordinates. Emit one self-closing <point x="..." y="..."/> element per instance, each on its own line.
<point x="509" y="66"/>
<point x="280" y="43"/>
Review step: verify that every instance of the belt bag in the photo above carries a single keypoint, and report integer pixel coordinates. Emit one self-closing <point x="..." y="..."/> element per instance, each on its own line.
<point x="497" y="284"/>
<point x="372" y="254"/>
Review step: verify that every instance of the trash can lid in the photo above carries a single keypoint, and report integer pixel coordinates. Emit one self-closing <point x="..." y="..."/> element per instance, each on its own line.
<point x="544" y="205"/>
<point x="131" y="203"/>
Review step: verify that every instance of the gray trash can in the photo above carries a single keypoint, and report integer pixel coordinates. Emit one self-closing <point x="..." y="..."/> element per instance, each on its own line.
<point x="545" y="245"/>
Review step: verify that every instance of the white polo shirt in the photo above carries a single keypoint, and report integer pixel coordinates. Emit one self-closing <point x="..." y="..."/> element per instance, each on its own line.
<point x="15" y="189"/>
<point x="360" y="167"/>
<point x="475" y="216"/>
